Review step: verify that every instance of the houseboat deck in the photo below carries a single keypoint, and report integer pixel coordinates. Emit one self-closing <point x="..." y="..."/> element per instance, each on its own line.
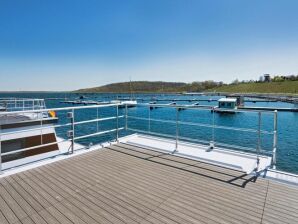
<point x="124" y="183"/>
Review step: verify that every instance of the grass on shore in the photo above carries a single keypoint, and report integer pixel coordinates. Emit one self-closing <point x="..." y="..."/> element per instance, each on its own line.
<point x="271" y="87"/>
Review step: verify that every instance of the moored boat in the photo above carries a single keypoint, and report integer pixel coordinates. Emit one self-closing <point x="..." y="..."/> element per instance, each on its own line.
<point x="20" y="129"/>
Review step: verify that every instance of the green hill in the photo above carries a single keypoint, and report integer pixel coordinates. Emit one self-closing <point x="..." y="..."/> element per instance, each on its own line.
<point x="287" y="87"/>
<point x="264" y="87"/>
<point x="139" y="86"/>
<point x="146" y="87"/>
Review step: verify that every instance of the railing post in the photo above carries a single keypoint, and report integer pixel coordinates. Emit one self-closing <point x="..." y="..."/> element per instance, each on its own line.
<point x="259" y="138"/>
<point x="117" y="124"/>
<point x="126" y="117"/>
<point x="71" y="133"/>
<point x="0" y="150"/>
<point x="23" y="108"/>
<point x="274" y="140"/>
<point x="41" y="126"/>
<point x="177" y="130"/>
<point x="149" y="119"/>
<point x="97" y="122"/>
<point x="211" y="144"/>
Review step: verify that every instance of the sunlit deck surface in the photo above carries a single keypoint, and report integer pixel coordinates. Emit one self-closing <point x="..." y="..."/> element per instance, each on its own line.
<point x="127" y="184"/>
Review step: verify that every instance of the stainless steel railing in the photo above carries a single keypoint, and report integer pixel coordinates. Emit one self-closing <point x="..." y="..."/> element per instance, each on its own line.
<point x="212" y="143"/>
<point x="21" y="104"/>
<point x="71" y="124"/>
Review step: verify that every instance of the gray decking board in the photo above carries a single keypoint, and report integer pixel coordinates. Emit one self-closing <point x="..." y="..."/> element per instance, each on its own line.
<point x="127" y="184"/>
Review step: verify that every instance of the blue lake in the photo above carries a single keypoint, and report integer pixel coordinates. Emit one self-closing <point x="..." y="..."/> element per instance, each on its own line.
<point x="287" y="154"/>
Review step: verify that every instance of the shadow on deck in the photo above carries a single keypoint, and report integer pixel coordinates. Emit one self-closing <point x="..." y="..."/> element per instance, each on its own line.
<point x="214" y="172"/>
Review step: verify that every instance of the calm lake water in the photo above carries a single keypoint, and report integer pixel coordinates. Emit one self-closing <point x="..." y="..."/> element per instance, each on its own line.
<point x="287" y="154"/>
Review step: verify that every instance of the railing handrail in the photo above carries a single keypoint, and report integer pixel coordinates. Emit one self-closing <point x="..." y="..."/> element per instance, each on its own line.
<point x="205" y="125"/>
<point x="59" y="109"/>
<point x="71" y="123"/>
<point x="20" y="99"/>
<point x="203" y="107"/>
<point x="259" y="131"/>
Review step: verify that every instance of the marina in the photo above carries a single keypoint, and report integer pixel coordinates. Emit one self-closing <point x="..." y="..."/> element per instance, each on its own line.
<point x="182" y="139"/>
<point x="148" y="112"/>
<point x="199" y="100"/>
<point x="37" y="120"/>
<point x="287" y="123"/>
<point x="195" y="102"/>
<point x="158" y="176"/>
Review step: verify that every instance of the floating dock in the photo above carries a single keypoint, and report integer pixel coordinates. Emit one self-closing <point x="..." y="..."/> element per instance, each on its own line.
<point x="281" y="109"/>
<point x="267" y="97"/>
<point x="271" y="97"/>
<point x="85" y="102"/>
<point x="197" y="100"/>
<point x="196" y="104"/>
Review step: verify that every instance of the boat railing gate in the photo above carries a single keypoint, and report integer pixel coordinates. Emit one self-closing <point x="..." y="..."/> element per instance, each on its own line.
<point x="212" y="143"/>
<point x="71" y="124"/>
<point x="22" y="104"/>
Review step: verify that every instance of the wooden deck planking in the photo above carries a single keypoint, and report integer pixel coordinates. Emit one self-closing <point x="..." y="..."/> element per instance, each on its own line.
<point x="122" y="189"/>
<point x="129" y="184"/>
<point x="81" y="202"/>
<point x="178" y="162"/>
<point x="107" y="174"/>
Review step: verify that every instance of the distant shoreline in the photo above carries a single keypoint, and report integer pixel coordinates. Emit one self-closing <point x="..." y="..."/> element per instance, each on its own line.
<point x="167" y="93"/>
<point x="286" y="88"/>
<point x="17" y="91"/>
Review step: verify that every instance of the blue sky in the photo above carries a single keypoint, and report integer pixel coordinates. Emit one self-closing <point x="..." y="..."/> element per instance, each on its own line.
<point x="71" y="44"/>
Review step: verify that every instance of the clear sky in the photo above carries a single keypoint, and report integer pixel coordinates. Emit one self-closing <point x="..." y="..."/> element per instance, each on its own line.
<point x="71" y="44"/>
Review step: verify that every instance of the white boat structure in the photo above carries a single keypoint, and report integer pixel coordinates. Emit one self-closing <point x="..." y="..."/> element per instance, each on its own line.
<point x="124" y="103"/>
<point x="32" y="130"/>
<point x="226" y="105"/>
<point x="138" y="176"/>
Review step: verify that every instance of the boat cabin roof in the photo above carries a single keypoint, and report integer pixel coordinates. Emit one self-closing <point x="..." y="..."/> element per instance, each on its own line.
<point x="13" y="118"/>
